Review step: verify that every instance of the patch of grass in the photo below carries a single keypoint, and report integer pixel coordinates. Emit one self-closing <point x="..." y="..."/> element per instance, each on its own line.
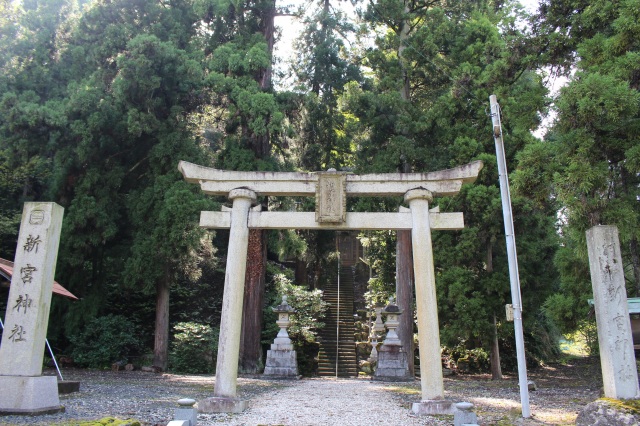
<point x="405" y="390"/>
<point x="105" y="421"/>
<point x="574" y="345"/>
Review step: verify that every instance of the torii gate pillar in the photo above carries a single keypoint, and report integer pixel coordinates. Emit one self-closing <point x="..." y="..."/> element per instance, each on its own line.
<point x="224" y="394"/>
<point x="433" y="401"/>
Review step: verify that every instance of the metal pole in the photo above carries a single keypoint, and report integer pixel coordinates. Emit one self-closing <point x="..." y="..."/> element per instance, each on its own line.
<point x="338" y="317"/>
<point x="514" y="278"/>
<point x="54" y="359"/>
<point x="50" y="351"/>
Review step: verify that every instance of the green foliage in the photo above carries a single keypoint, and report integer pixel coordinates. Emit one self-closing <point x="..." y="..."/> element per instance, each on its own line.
<point x="432" y="71"/>
<point x="105" y="340"/>
<point x="305" y="322"/>
<point x="586" y="332"/>
<point x="193" y="349"/>
<point x="309" y="306"/>
<point x="475" y="360"/>
<point x="378" y="293"/>
<point x="589" y="168"/>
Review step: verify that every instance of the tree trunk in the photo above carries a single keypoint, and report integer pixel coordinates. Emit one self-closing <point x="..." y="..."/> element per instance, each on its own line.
<point x="268" y="31"/>
<point x="251" y="334"/>
<point x="404" y="293"/>
<point x="496" y="370"/>
<point x="250" y="340"/>
<point x="301" y="273"/>
<point x="161" y="341"/>
<point x="405" y="91"/>
<point x="404" y="255"/>
<point x="494" y="355"/>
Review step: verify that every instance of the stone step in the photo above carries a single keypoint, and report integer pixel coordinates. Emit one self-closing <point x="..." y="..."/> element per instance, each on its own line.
<point x="340" y="306"/>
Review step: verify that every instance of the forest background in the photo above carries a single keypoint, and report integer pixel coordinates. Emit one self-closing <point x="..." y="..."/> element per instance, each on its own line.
<point x="100" y="99"/>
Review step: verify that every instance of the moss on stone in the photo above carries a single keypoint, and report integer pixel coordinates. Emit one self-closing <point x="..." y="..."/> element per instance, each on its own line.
<point x="630" y="405"/>
<point x="109" y="421"/>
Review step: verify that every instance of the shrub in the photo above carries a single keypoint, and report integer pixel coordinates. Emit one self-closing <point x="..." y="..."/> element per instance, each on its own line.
<point x="474" y="360"/>
<point x="194" y="348"/>
<point x="105" y="340"/>
<point x="304" y="326"/>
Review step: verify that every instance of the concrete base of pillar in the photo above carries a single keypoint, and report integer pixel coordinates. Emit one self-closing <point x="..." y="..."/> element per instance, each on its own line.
<point x="433" y="406"/>
<point x="33" y="395"/>
<point x="393" y="365"/>
<point x="222" y="405"/>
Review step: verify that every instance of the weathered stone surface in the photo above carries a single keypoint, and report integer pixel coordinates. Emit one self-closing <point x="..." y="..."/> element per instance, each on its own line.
<point x="392" y="364"/>
<point x="281" y="363"/>
<point x="426" y="300"/>
<point x="222" y="405"/>
<point x="29" y="395"/>
<point x="603" y="413"/>
<point x="27" y="317"/>
<point x="433" y="406"/>
<point x="353" y="220"/>
<point x="24" y="390"/>
<point x="187" y="411"/>
<point x="233" y="295"/>
<point x="221" y="182"/>
<point x="464" y="414"/>
<point x="617" y="358"/>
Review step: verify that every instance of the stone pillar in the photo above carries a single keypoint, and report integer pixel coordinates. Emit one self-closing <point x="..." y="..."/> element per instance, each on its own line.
<point x="26" y="391"/>
<point x="427" y="308"/>
<point x="224" y="399"/>
<point x="617" y="358"/>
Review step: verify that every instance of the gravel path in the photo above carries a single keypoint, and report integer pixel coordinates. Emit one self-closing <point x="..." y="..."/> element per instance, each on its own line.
<point x="563" y="390"/>
<point x="344" y="402"/>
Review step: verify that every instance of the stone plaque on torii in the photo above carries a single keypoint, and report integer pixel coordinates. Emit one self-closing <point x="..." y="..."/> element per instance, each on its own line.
<point x="330" y="190"/>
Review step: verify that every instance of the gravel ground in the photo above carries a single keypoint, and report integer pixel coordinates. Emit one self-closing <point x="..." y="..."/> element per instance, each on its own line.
<point x="563" y="390"/>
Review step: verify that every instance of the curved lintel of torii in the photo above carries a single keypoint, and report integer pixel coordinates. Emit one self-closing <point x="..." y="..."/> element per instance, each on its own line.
<point x="221" y="182"/>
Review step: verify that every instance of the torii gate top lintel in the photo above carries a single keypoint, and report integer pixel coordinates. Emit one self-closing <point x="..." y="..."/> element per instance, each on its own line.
<point x="221" y="182"/>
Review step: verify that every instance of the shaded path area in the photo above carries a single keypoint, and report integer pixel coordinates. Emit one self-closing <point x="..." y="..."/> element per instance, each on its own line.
<point x="563" y="390"/>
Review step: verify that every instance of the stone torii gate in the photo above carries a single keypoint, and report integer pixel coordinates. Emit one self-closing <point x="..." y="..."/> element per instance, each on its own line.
<point x="330" y="189"/>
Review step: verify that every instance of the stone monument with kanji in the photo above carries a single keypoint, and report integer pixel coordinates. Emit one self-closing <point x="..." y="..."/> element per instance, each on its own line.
<point x="24" y="390"/>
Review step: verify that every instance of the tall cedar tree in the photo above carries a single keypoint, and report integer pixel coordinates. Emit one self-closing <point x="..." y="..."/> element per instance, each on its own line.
<point x="456" y="55"/>
<point x="248" y="118"/>
<point x="111" y="104"/>
<point x="590" y="160"/>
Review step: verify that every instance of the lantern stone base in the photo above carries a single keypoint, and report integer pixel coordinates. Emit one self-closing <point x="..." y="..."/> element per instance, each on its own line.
<point x="393" y="364"/>
<point x="29" y="395"/>
<point x="68" y="386"/>
<point x="433" y="406"/>
<point x="281" y="363"/>
<point x="222" y="405"/>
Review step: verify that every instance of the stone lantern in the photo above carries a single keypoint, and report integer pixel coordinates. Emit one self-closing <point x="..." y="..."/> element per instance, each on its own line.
<point x="283" y="310"/>
<point x="392" y="312"/>
<point x="393" y="364"/>
<point x="281" y="358"/>
<point x="376" y="330"/>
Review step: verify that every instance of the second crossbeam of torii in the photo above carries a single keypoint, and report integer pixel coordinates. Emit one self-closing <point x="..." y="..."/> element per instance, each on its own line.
<point x="330" y="190"/>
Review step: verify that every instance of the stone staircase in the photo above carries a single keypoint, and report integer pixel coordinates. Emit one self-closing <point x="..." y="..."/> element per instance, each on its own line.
<point x="345" y="347"/>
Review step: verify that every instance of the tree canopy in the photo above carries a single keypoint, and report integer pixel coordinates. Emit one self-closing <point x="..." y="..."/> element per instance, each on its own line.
<point x="100" y="99"/>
